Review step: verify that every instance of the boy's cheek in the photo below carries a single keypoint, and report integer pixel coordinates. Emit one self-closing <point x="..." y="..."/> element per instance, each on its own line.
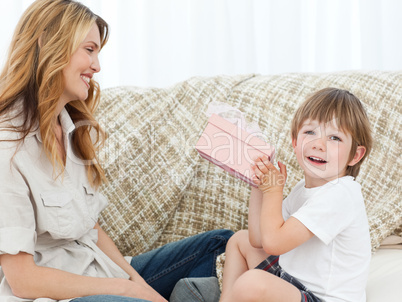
<point x="303" y="140"/>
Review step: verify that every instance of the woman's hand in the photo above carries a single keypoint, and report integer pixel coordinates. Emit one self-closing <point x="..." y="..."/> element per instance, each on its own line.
<point x="138" y="290"/>
<point x="268" y="178"/>
<point x="27" y="280"/>
<point x="136" y="284"/>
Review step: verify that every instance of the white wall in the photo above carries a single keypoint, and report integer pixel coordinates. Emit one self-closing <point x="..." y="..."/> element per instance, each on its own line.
<point x="161" y="42"/>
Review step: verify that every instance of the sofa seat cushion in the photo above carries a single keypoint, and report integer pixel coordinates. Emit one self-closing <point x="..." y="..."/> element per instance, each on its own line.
<point x="385" y="276"/>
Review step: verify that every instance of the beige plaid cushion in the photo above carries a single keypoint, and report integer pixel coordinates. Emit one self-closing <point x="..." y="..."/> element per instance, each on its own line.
<point x="149" y="157"/>
<point x="160" y="189"/>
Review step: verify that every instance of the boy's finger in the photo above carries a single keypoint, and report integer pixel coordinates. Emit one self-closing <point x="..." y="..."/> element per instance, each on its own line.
<point x="269" y="165"/>
<point x="257" y="177"/>
<point x="255" y="168"/>
<point x="266" y="161"/>
<point x="255" y="180"/>
<point x="282" y="168"/>
<point x="283" y="172"/>
<point x="262" y="167"/>
<point x="257" y="159"/>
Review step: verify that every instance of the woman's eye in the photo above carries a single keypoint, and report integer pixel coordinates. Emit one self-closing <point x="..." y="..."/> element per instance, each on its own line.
<point x="90" y="49"/>
<point x="309" y="132"/>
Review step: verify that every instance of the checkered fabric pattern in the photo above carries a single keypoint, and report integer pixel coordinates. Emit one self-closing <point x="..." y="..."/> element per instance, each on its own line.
<point x="161" y="190"/>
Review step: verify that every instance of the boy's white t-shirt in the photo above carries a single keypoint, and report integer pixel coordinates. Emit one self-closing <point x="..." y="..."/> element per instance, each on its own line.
<point x="334" y="264"/>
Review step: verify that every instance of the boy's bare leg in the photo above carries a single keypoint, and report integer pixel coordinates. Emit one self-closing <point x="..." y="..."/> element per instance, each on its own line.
<point x="258" y="285"/>
<point x="240" y="258"/>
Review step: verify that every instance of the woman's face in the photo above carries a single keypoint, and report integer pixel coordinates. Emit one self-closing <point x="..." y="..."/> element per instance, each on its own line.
<point x="83" y="65"/>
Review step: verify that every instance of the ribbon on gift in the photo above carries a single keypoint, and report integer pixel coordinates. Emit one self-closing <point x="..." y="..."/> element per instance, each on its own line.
<point x="231" y="143"/>
<point x="235" y="116"/>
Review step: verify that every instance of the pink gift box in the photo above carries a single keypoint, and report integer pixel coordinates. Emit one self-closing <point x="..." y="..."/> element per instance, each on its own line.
<point x="232" y="148"/>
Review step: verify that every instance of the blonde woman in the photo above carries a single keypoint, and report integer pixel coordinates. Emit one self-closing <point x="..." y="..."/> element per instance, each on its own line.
<point x="51" y="245"/>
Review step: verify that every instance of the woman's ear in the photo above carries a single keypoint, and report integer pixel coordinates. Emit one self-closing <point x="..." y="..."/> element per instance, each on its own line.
<point x="40" y="40"/>
<point x="360" y="151"/>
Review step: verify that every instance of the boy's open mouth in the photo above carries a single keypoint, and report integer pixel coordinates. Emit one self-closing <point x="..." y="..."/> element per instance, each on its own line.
<point x="316" y="160"/>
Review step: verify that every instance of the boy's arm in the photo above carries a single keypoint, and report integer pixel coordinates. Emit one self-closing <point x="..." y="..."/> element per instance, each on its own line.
<point x="277" y="236"/>
<point x="254" y="212"/>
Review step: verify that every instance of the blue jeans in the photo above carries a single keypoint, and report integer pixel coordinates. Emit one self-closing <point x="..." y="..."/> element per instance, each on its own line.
<point x="108" y="298"/>
<point x="162" y="268"/>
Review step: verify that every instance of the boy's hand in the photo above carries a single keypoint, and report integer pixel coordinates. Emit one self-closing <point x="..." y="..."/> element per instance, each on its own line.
<point x="268" y="178"/>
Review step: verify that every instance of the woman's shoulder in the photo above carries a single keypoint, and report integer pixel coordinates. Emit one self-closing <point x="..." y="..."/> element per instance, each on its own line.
<point x="12" y="124"/>
<point x="12" y="140"/>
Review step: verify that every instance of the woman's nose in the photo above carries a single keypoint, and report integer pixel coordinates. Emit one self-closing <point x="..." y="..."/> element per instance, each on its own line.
<point x="95" y="66"/>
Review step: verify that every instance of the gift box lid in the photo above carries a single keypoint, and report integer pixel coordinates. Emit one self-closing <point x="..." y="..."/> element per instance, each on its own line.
<point x="237" y="132"/>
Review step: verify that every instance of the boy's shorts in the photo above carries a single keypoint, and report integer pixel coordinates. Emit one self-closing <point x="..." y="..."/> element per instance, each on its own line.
<point x="271" y="265"/>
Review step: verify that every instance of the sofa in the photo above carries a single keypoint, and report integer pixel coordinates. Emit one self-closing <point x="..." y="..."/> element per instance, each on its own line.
<point x="160" y="189"/>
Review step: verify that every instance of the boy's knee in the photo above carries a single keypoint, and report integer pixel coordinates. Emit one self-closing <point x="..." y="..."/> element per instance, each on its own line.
<point x="241" y="235"/>
<point x="249" y="287"/>
<point x="238" y="238"/>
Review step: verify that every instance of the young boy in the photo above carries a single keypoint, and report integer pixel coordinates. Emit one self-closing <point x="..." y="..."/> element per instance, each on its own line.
<point x="321" y="229"/>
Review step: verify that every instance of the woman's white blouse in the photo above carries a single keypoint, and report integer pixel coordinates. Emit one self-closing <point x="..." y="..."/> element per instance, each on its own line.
<point x="49" y="216"/>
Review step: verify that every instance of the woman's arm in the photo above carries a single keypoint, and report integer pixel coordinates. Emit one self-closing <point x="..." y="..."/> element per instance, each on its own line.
<point x="106" y="244"/>
<point x="29" y="281"/>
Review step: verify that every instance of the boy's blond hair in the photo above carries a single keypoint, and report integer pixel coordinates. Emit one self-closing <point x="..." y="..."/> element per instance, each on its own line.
<point x="331" y="103"/>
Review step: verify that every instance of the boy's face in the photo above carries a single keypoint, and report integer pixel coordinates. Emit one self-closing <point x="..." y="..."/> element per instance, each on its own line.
<point x="322" y="151"/>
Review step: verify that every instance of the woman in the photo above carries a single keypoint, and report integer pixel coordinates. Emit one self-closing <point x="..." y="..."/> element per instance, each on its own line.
<point x="51" y="244"/>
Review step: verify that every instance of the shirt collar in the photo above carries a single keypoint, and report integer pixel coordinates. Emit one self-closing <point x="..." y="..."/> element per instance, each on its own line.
<point x="66" y="122"/>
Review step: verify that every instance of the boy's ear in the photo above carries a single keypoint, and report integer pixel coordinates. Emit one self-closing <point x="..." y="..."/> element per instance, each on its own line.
<point x="294" y="142"/>
<point x="360" y="151"/>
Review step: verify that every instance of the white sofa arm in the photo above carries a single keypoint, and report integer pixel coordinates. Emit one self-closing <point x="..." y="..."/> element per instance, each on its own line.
<point x="385" y="278"/>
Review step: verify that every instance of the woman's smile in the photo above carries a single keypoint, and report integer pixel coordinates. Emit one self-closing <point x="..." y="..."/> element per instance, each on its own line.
<point x="86" y="79"/>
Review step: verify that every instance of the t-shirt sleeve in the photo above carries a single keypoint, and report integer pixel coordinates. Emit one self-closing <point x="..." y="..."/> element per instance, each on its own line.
<point x="327" y="214"/>
<point x="17" y="217"/>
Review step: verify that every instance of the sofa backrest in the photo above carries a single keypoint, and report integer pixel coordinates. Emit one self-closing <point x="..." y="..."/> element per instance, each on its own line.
<point x="161" y="190"/>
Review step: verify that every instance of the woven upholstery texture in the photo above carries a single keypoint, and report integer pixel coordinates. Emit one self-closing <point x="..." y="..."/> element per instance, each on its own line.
<point x="149" y="158"/>
<point x="161" y="190"/>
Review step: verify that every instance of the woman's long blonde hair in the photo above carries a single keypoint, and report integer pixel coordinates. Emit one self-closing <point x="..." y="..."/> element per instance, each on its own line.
<point x="47" y="35"/>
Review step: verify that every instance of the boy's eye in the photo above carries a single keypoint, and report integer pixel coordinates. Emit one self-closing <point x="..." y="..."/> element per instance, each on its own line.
<point x="335" y="138"/>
